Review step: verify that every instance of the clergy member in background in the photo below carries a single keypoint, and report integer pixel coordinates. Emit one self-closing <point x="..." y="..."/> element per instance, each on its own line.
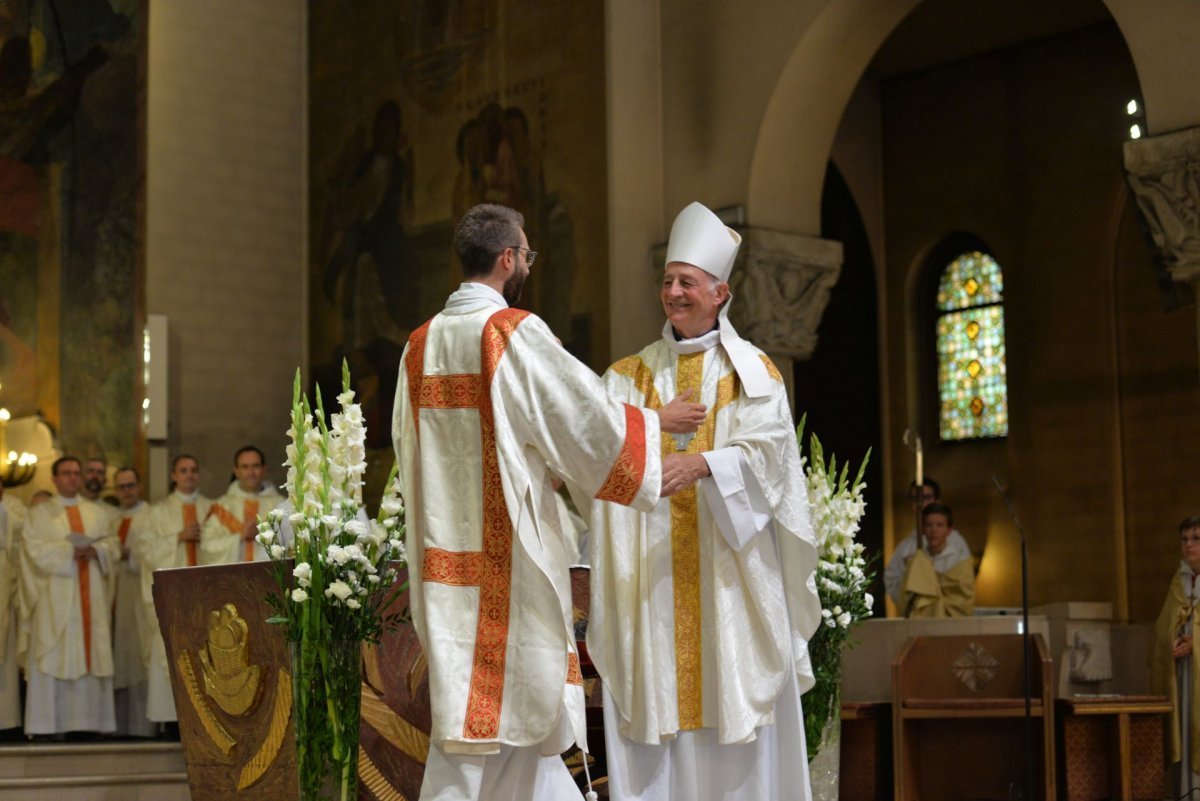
<point x="929" y="491"/>
<point x="228" y="535"/>
<point x="1172" y="667"/>
<point x="129" y="613"/>
<point x="95" y="478"/>
<point x="171" y="538"/>
<point x="72" y="555"/>
<point x="488" y="403"/>
<point x="12" y="518"/>
<point x="702" y="608"/>
<point x="939" y="576"/>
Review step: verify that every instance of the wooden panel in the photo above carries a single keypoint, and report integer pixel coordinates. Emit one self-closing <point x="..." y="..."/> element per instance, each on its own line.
<point x="249" y="755"/>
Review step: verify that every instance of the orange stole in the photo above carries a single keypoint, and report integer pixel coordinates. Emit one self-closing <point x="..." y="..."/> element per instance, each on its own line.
<point x="189" y="519"/>
<point x="249" y="512"/>
<point x="83" y="569"/>
<point x="123" y="531"/>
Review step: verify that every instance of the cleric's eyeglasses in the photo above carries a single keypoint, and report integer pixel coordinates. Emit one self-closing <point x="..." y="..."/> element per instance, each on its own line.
<point x="530" y="255"/>
<point x="127" y="486"/>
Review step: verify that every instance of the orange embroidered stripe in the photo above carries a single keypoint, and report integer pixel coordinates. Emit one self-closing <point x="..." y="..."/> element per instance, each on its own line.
<point x="458" y="568"/>
<point x="629" y="469"/>
<point x="414" y="363"/>
<point x="486" y="693"/>
<point x="574" y="674"/>
<point x="449" y="392"/>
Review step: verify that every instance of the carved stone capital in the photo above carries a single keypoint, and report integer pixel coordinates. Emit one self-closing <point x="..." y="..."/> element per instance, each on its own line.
<point x="780" y="283"/>
<point x="1164" y="173"/>
<point x="781" y="286"/>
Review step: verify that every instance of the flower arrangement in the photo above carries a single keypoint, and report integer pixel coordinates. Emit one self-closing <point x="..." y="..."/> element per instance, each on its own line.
<point x="336" y="571"/>
<point x="843" y="575"/>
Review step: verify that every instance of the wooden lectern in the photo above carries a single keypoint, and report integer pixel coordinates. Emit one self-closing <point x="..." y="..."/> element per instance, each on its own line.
<point x="231" y="680"/>
<point x="958" y="718"/>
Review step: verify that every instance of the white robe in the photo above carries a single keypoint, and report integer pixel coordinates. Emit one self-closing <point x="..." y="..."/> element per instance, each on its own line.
<point x="221" y="540"/>
<point x="157" y="547"/>
<point x="129" y="624"/>
<point x="702" y="610"/>
<point x="12" y="518"/>
<point x="70" y="676"/>
<point x="500" y="403"/>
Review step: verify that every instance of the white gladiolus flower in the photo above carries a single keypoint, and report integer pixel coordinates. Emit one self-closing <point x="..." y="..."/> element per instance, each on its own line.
<point x="297" y="519"/>
<point x="391" y="506"/>
<point x="299" y="595"/>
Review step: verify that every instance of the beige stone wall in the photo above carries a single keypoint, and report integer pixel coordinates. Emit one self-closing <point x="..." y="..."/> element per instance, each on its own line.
<point x="225" y="220"/>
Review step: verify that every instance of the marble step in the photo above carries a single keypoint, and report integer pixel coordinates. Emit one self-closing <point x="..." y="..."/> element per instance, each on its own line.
<point x="93" y="772"/>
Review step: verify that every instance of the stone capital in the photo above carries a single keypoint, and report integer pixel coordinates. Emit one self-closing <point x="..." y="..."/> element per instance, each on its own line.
<point x="781" y="285"/>
<point x="1164" y="173"/>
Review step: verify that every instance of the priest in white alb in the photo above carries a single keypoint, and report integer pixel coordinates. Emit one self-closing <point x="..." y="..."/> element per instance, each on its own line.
<point x="229" y="535"/>
<point x="702" y="609"/>
<point x="129" y="614"/>
<point x="70" y="556"/>
<point x="170" y="538"/>
<point x="488" y="402"/>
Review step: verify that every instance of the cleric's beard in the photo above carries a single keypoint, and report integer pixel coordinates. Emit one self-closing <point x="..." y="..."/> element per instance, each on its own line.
<point x="513" y="287"/>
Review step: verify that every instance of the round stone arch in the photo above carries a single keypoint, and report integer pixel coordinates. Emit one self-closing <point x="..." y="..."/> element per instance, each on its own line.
<point x="797" y="130"/>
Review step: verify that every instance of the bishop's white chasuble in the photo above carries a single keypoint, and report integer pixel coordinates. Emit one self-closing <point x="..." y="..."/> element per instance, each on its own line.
<point x="702" y="609"/>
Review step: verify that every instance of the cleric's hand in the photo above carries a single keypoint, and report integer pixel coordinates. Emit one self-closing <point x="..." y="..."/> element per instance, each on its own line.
<point x="680" y="471"/>
<point x="681" y="417"/>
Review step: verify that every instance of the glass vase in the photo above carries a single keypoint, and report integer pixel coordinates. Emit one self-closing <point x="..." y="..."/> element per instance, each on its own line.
<point x="326" y="688"/>
<point x="824" y="771"/>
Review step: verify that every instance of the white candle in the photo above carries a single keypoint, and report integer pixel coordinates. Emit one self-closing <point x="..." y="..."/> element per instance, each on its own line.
<point x="920" y="464"/>
<point x="3" y="437"/>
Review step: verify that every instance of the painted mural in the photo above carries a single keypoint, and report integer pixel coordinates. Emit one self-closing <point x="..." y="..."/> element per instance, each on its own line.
<point x="418" y="110"/>
<point x="69" y="94"/>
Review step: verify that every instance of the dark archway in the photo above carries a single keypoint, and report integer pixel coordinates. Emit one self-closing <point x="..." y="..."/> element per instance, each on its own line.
<point x="838" y="388"/>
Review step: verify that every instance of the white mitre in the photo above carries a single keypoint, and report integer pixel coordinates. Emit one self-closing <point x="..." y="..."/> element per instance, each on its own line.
<point x="699" y="238"/>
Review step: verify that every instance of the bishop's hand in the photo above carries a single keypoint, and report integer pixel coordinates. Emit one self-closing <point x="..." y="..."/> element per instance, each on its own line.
<point x="681" y="417"/>
<point x="680" y="471"/>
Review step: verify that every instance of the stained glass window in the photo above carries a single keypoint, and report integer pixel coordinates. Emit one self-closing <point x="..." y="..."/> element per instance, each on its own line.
<point x="972" y="381"/>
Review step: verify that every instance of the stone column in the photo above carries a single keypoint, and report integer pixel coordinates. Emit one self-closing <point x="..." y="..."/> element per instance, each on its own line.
<point x="1164" y="173"/>
<point x="780" y="283"/>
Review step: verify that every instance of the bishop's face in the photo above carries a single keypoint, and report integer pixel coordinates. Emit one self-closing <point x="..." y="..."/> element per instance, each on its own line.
<point x="691" y="299"/>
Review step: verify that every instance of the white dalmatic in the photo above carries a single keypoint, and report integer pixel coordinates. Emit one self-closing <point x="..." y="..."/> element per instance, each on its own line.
<point x="12" y="518"/>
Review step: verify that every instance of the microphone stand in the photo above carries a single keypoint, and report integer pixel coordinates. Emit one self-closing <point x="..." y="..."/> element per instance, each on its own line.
<point x="1025" y="645"/>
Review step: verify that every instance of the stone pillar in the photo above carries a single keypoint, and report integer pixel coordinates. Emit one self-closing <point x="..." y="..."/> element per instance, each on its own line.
<point x="1164" y="173"/>
<point x="780" y="283"/>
